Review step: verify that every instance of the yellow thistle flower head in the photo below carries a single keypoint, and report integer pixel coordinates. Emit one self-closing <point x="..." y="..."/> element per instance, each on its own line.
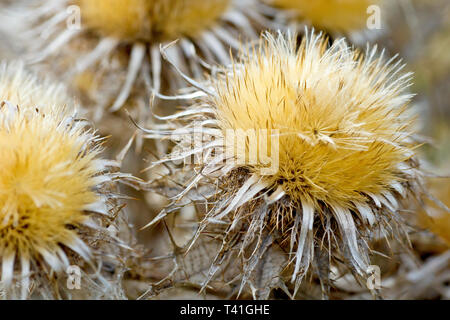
<point x="306" y="144"/>
<point x="126" y="19"/>
<point x="436" y="218"/>
<point x="331" y="15"/>
<point x="52" y="180"/>
<point x="151" y="20"/>
<point x="119" y="41"/>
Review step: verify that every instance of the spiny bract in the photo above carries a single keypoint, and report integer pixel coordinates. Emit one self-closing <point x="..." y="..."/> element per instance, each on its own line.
<point x="336" y="136"/>
<point x="52" y="180"/>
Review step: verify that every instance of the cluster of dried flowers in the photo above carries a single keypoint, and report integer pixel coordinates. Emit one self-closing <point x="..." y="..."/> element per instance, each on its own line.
<point x="291" y="170"/>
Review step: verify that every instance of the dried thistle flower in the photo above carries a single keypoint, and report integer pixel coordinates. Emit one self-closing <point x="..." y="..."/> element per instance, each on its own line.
<point x="58" y="198"/>
<point x="124" y="35"/>
<point x="306" y="149"/>
<point x="151" y="20"/>
<point x="434" y="217"/>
